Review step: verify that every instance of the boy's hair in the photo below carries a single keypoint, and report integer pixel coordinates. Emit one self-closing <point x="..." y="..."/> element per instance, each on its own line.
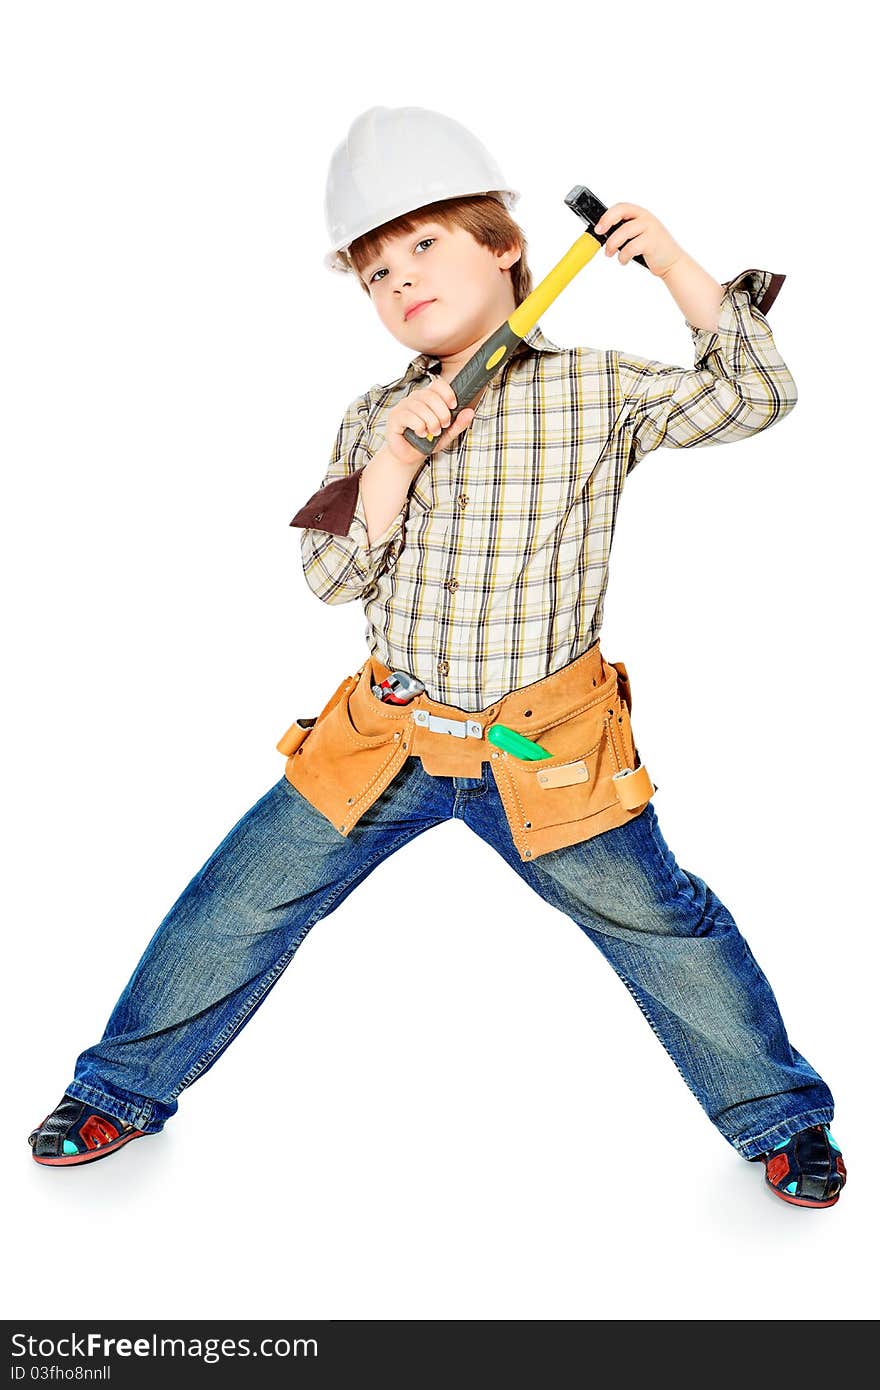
<point x="482" y="214"/>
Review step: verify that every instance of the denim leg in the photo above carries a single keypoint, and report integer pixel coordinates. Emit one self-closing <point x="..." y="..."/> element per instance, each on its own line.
<point x="680" y="954"/>
<point x="231" y="934"/>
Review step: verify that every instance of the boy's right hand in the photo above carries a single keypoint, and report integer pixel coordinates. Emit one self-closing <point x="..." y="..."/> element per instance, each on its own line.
<point x="426" y="410"/>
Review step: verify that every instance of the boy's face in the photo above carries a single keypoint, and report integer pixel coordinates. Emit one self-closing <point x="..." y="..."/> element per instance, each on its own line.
<point x="471" y="293"/>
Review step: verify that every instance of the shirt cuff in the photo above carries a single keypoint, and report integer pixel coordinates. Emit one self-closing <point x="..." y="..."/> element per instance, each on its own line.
<point x="338" y="509"/>
<point x="359" y="533"/>
<point x="756" y="289"/>
<point x="332" y="507"/>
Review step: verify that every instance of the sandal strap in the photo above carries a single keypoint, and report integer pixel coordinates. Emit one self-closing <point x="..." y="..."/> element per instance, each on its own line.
<point x="74" y="1127"/>
<point x="809" y="1165"/>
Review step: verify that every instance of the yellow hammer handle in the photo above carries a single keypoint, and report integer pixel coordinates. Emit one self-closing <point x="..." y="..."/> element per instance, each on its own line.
<point x="526" y="315"/>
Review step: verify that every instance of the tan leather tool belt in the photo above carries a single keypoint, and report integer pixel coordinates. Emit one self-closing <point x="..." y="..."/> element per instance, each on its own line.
<point x="344" y="759"/>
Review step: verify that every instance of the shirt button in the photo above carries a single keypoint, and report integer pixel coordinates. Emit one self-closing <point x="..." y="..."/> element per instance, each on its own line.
<point x="443" y="667"/>
<point x="452" y="585"/>
<point x="463" y="500"/>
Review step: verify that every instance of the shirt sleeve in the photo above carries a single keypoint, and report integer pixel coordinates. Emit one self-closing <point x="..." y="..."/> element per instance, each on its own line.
<point x="339" y="562"/>
<point x="739" y="384"/>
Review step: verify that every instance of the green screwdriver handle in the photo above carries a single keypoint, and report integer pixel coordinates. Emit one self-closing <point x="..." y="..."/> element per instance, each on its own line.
<point x="512" y="742"/>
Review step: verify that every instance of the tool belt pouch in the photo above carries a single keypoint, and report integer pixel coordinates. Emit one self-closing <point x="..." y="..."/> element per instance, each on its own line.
<point x="342" y="761"/>
<point x="340" y="766"/>
<point x="593" y="780"/>
<point x="300" y="728"/>
<point x="634" y="785"/>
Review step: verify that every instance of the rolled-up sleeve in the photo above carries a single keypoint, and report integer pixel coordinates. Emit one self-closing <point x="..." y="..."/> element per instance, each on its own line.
<point x="339" y="562"/>
<point x="738" y="386"/>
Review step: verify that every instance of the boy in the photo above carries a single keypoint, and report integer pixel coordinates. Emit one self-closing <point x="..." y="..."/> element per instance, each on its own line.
<point x="482" y="570"/>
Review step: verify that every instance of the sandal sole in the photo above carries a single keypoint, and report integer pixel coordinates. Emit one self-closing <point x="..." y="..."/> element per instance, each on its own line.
<point x="92" y="1156"/>
<point x="802" y="1201"/>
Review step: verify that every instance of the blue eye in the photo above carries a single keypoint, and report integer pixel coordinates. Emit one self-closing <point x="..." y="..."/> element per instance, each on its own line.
<point x="418" y="244"/>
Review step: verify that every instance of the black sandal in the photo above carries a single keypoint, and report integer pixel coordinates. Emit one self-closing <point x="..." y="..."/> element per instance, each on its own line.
<point x="808" y="1169"/>
<point x="75" y="1132"/>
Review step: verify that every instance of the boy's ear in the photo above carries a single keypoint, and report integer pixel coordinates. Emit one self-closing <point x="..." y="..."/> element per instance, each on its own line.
<point x="508" y="258"/>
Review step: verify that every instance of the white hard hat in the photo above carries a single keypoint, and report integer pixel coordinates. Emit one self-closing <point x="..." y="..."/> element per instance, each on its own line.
<point x="397" y="159"/>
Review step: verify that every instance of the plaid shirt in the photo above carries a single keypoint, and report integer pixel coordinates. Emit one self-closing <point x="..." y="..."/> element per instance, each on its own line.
<point x="493" y="574"/>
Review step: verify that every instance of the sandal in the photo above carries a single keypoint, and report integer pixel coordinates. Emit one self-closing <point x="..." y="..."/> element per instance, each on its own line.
<point x="808" y="1169"/>
<point x="75" y="1132"/>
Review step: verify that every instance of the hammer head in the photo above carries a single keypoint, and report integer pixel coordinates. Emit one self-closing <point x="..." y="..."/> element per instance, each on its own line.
<point x="589" y="209"/>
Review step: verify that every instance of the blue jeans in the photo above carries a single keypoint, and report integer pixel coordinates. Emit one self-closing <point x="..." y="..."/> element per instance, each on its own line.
<point x="283" y="867"/>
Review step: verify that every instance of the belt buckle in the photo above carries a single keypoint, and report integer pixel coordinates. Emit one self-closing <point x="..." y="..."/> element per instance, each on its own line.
<point x="459" y="728"/>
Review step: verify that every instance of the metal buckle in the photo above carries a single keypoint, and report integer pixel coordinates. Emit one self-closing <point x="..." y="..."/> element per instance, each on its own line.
<point x="459" y="728"/>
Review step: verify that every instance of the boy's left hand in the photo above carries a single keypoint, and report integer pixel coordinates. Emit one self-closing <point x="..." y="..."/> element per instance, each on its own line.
<point x="641" y="234"/>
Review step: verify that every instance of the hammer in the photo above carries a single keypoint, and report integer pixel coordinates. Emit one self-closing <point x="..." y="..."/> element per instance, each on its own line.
<point x="480" y="368"/>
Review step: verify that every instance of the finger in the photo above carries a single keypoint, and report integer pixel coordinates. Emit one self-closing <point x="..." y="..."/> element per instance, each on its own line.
<point x="438" y="404"/>
<point x="441" y="392"/>
<point x="408" y="420"/>
<point x="461" y="422"/>
<point x="630" y="229"/>
<point x="636" y="247"/>
<point x="433" y="409"/>
<point x="614" y="214"/>
<point x="440" y="418"/>
<point x="607" y="219"/>
<point x="422" y="421"/>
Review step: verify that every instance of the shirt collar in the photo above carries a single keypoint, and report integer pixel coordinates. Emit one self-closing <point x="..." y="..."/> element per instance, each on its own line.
<point x="534" y="339"/>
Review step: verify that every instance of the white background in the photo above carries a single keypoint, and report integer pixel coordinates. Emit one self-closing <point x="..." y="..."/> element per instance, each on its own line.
<point x="449" y="1107"/>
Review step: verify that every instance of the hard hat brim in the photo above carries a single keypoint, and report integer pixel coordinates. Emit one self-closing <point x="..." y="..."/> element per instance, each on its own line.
<point x="335" y="261"/>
